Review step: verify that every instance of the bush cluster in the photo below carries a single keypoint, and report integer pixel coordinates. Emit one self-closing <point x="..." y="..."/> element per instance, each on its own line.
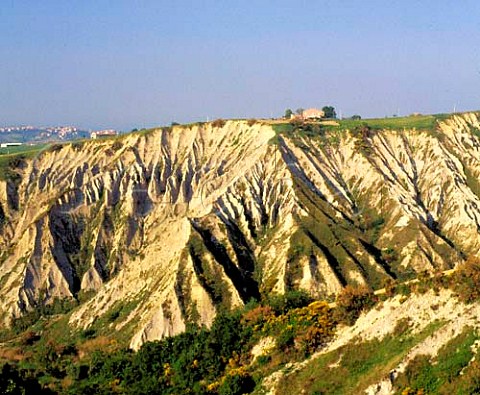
<point x="219" y="123"/>
<point x="303" y="329"/>
<point x="466" y="280"/>
<point x="351" y="302"/>
<point x="19" y="381"/>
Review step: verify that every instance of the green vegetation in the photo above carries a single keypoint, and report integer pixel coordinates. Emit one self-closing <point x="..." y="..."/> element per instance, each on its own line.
<point x="465" y="281"/>
<point x="11" y="158"/>
<point x="219" y="123"/>
<point x="351" y="302"/>
<point x="472" y="181"/>
<point x="199" y="361"/>
<point x="210" y="276"/>
<point x="57" y="306"/>
<point x="22" y="149"/>
<point x="352" y="368"/>
<point x="219" y="361"/>
<point x="421" y="122"/>
<point x="329" y="112"/>
<point x="442" y="374"/>
<point x="19" y="381"/>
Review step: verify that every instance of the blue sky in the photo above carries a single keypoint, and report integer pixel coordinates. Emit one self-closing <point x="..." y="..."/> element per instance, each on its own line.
<point x="127" y="64"/>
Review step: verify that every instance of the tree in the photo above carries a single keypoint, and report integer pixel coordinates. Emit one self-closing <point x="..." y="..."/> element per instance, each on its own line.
<point x="237" y="384"/>
<point x="466" y="280"/>
<point x="288" y="113"/>
<point x="14" y="381"/>
<point x="299" y="111"/>
<point x="351" y="302"/>
<point x="329" y="112"/>
<point x="356" y="117"/>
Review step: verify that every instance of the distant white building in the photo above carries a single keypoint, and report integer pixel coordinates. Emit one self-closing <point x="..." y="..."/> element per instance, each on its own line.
<point x="309" y="114"/>
<point x="313" y="113"/>
<point x="103" y="133"/>
<point x="6" y="145"/>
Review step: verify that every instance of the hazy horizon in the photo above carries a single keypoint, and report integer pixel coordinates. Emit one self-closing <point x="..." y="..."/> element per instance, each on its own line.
<point x="131" y="65"/>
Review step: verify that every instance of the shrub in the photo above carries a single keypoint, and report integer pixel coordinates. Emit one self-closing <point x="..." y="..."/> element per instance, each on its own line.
<point x="219" y="123"/>
<point x="469" y="382"/>
<point x="402" y="327"/>
<point x="389" y="286"/>
<point x="117" y="145"/>
<point x="263" y="359"/>
<point x="307" y="328"/>
<point x="29" y="338"/>
<point x="237" y="384"/>
<point x="389" y="255"/>
<point x="313" y="339"/>
<point x="14" y="381"/>
<point x="466" y="280"/>
<point x="418" y="370"/>
<point x="286" y="338"/>
<point x="77" y="145"/>
<point x="362" y="134"/>
<point x="257" y="316"/>
<point x="88" y="334"/>
<point x="411" y="391"/>
<point x="403" y="289"/>
<point x="352" y="302"/>
<point x="55" y="148"/>
<point x="289" y="300"/>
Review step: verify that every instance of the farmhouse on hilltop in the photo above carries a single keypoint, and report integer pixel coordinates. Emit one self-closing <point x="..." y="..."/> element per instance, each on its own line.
<point x="313" y="113"/>
<point x="309" y="114"/>
<point x="103" y="133"/>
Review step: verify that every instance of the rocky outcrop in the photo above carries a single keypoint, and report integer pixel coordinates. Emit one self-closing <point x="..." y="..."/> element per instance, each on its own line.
<point x="178" y="223"/>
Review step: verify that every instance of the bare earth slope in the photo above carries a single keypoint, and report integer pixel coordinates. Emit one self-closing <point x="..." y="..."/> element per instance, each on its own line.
<point x="179" y="223"/>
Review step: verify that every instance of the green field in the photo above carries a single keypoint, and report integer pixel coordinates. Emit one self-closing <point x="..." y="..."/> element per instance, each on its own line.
<point x="22" y="149"/>
<point x="421" y="122"/>
<point x="10" y="154"/>
<point x="418" y="122"/>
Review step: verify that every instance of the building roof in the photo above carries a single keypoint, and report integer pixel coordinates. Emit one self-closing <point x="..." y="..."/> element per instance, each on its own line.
<point x="313" y="113"/>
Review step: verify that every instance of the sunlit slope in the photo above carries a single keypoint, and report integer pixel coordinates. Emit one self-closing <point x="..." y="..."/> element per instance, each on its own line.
<point x="179" y="223"/>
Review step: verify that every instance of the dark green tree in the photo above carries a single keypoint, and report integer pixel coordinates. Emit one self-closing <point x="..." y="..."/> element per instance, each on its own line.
<point x="329" y="112"/>
<point x="356" y="117"/>
<point x="14" y="381"/>
<point x="288" y="113"/>
<point x="236" y="385"/>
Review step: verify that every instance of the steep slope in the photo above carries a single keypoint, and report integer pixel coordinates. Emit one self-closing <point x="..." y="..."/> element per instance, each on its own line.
<point x="372" y="356"/>
<point x="179" y="223"/>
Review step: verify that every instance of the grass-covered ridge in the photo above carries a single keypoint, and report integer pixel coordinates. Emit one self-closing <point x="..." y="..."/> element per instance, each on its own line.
<point x="418" y="122"/>
<point x="352" y="368"/>
<point x="11" y="157"/>
<point x="412" y="122"/>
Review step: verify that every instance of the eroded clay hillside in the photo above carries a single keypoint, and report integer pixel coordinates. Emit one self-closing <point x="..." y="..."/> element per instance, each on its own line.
<point x="175" y="224"/>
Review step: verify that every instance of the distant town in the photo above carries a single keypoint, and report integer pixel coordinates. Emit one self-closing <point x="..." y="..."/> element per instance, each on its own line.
<point x="19" y="135"/>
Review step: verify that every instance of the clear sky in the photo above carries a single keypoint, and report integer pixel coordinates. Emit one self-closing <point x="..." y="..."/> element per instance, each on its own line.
<point x="132" y="63"/>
